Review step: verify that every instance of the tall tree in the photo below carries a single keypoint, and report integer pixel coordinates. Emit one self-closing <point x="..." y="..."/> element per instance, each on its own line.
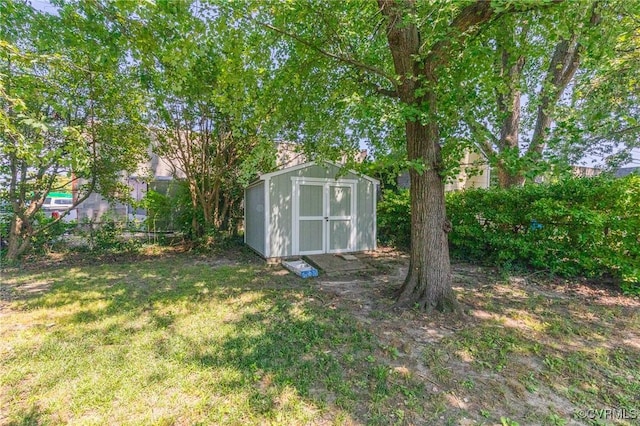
<point x="60" y="113"/>
<point x="538" y="72"/>
<point x="400" y="53"/>
<point x="206" y="104"/>
<point x="601" y="118"/>
<point x="428" y="283"/>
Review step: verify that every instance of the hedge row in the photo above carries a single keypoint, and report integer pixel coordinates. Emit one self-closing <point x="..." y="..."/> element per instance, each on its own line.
<point x="577" y="227"/>
<point x="394" y="219"/>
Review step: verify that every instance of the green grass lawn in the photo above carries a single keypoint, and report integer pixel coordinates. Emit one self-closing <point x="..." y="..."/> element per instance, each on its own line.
<point x="184" y="339"/>
<point x="173" y="341"/>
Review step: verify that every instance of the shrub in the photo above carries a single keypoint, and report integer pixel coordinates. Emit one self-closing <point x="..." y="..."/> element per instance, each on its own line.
<point x="394" y="219"/>
<point x="576" y="227"/>
<point x="587" y="227"/>
<point x="43" y="241"/>
<point x="109" y="234"/>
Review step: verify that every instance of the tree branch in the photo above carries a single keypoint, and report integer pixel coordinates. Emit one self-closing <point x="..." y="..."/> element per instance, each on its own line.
<point x="615" y="133"/>
<point x="467" y="23"/>
<point x="469" y="17"/>
<point x="386" y="92"/>
<point x="78" y="201"/>
<point x="483" y="137"/>
<point x="331" y="55"/>
<point x="562" y="68"/>
<point x="390" y="93"/>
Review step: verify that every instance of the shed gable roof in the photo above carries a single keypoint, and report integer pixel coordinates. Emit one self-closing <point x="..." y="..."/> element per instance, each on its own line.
<point x="266" y="176"/>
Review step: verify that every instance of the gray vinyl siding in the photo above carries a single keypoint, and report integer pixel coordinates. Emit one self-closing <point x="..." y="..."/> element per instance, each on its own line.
<point x="255" y="210"/>
<point x="280" y="215"/>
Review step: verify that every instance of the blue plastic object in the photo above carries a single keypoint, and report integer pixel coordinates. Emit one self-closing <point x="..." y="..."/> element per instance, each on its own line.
<point x="301" y="268"/>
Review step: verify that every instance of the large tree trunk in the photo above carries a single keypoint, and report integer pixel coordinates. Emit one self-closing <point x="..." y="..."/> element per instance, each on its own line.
<point x="18" y="243"/>
<point x="428" y="282"/>
<point x="507" y="179"/>
<point x="562" y="67"/>
<point x="509" y="107"/>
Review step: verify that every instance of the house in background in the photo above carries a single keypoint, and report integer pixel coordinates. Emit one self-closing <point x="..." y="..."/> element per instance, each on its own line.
<point x="310" y="208"/>
<point x="474" y="173"/>
<point x="156" y="172"/>
<point x="95" y="206"/>
<point x="625" y="171"/>
<point x="289" y="154"/>
<point x="159" y="175"/>
<point x="587" y="172"/>
<point x="584" y="171"/>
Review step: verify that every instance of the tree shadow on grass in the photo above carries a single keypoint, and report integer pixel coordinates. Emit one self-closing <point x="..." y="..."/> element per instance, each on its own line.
<point x="294" y="357"/>
<point x="266" y="348"/>
<point x="575" y="347"/>
<point x="290" y="355"/>
<point x="31" y="417"/>
<point x="131" y="286"/>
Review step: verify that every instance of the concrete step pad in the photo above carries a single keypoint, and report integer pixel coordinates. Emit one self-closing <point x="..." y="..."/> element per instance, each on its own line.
<point x="338" y="264"/>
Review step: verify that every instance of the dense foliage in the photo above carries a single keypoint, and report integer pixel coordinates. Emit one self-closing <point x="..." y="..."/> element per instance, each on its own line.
<point x="394" y="219"/>
<point x="88" y="89"/>
<point x="576" y="227"/>
<point x="63" y="123"/>
<point x="551" y="88"/>
<point x="169" y="210"/>
<point x="207" y="87"/>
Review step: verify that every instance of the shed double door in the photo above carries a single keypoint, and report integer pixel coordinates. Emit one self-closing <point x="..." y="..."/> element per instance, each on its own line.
<point x="324" y="216"/>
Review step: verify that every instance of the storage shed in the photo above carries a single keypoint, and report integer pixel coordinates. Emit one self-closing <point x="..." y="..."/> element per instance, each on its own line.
<point x="310" y="209"/>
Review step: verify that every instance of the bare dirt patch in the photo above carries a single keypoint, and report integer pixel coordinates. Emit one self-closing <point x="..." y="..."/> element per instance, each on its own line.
<point x="527" y="349"/>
